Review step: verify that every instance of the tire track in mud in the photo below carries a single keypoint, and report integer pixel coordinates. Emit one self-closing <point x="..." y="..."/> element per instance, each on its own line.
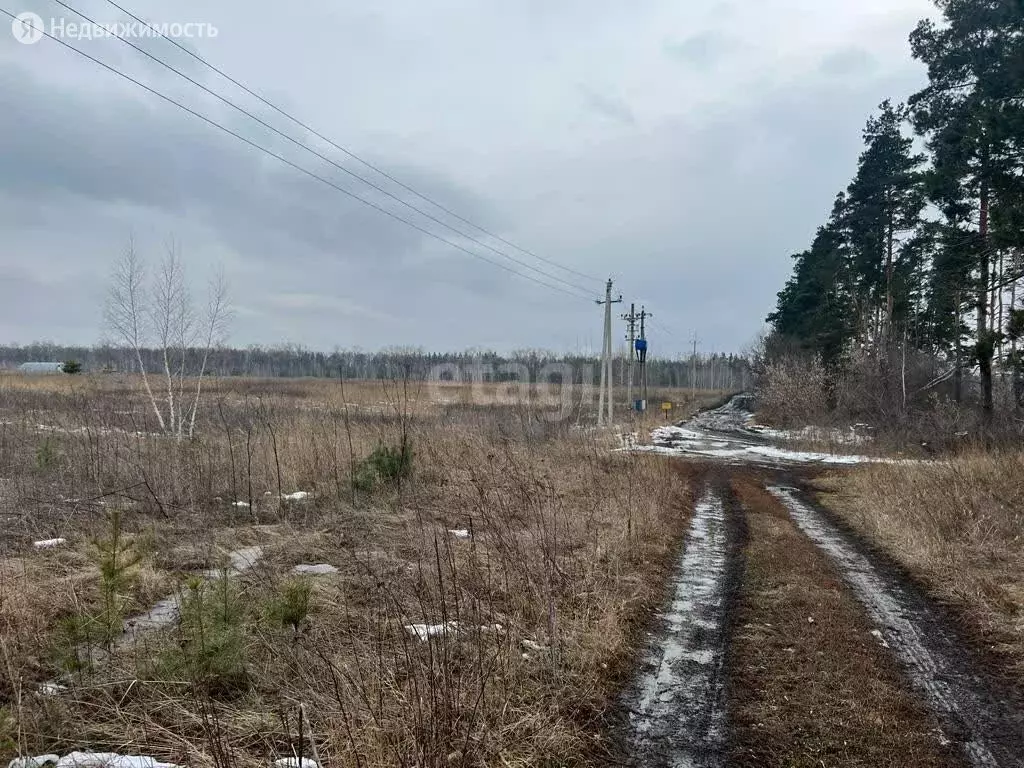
<point x="984" y="728"/>
<point x="676" y="707"/>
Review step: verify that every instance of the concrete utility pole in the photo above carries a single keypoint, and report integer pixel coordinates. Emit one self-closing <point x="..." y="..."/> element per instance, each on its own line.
<point x="693" y="363"/>
<point x="606" y="357"/>
<point x="630" y="319"/>
<point x="642" y="354"/>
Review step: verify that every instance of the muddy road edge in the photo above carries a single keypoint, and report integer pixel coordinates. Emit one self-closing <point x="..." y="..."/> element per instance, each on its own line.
<point x="977" y="713"/>
<point x="676" y="712"/>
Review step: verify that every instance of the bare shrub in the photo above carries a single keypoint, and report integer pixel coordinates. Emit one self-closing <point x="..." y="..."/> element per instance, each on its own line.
<point x="793" y="391"/>
<point x="904" y="400"/>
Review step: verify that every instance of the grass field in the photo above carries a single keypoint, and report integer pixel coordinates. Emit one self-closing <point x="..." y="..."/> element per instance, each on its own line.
<point x="492" y="561"/>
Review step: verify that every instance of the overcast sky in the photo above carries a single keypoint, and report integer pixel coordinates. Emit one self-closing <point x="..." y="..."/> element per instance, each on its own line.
<point x="685" y="151"/>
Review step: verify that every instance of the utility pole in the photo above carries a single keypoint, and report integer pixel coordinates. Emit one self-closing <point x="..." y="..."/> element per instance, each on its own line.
<point x="607" y="378"/>
<point x="641" y="353"/>
<point x="630" y="319"/>
<point x="693" y="363"/>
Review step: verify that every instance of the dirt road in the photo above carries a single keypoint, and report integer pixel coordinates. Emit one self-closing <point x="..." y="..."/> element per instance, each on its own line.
<point x="787" y="641"/>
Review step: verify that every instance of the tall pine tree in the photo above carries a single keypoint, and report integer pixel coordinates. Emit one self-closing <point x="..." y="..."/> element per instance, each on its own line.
<point x="815" y="309"/>
<point x="884" y="205"/>
<point x="971" y="113"/>
<point x="881" y="264"/>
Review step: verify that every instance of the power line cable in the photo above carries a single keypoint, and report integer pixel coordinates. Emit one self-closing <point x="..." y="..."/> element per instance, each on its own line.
<point x="296" y="166"/>
<point x="348" y="152"/>
<point x="657" y="324"/>
<point x="324" y="157"/>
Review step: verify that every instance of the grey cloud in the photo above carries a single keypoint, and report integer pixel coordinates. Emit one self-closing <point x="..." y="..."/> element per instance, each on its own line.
<point x="693" y="210"/>
<point x="62" y="144"/>
<point x="608" y="106"/>
<point x="713" y="210"/>
<point x="62" y="305"/>
<point x="849" y="61"/>
<point x="701" y="51"/>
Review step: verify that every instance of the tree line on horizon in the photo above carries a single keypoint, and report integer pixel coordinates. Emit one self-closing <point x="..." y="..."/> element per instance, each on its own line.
<point x="923" y="252"/>
<point x="717" y="371"/>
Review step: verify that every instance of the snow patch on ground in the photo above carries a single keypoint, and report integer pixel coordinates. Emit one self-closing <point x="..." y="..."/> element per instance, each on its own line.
<point x="426" y="631"/>
<point x="165" y="612"/>
<point x="49" y="543"/>
<point x="532" y="645"/>
<point x="726" y="434"/>
<point x="90" y="760"/>
<point x="239" y="561"/>
<point x="295" y="762"/>
<point x="91" y="431"/>
<point x="319" y="569"/>
<point x="459" y="533"/>
<point x="855" y="435"/>
<point x="297" y="496"/>
<point x="681" y="441"/>
<point x="33" y="762"/>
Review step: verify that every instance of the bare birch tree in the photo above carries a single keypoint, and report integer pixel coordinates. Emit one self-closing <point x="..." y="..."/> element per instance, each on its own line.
<point x="159" y="314"/>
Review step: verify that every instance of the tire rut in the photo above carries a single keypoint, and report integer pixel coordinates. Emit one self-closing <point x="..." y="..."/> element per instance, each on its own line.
<point x="676" y="706"/>
<point x="987" y="730"/>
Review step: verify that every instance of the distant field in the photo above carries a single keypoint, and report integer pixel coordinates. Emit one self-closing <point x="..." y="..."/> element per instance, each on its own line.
<point x="426" y="395"/>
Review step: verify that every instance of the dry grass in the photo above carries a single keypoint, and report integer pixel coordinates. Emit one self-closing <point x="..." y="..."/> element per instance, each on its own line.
<point x="958" y="525"/>
<point x="567" y="549"/>
<point x="810" y="686"/>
